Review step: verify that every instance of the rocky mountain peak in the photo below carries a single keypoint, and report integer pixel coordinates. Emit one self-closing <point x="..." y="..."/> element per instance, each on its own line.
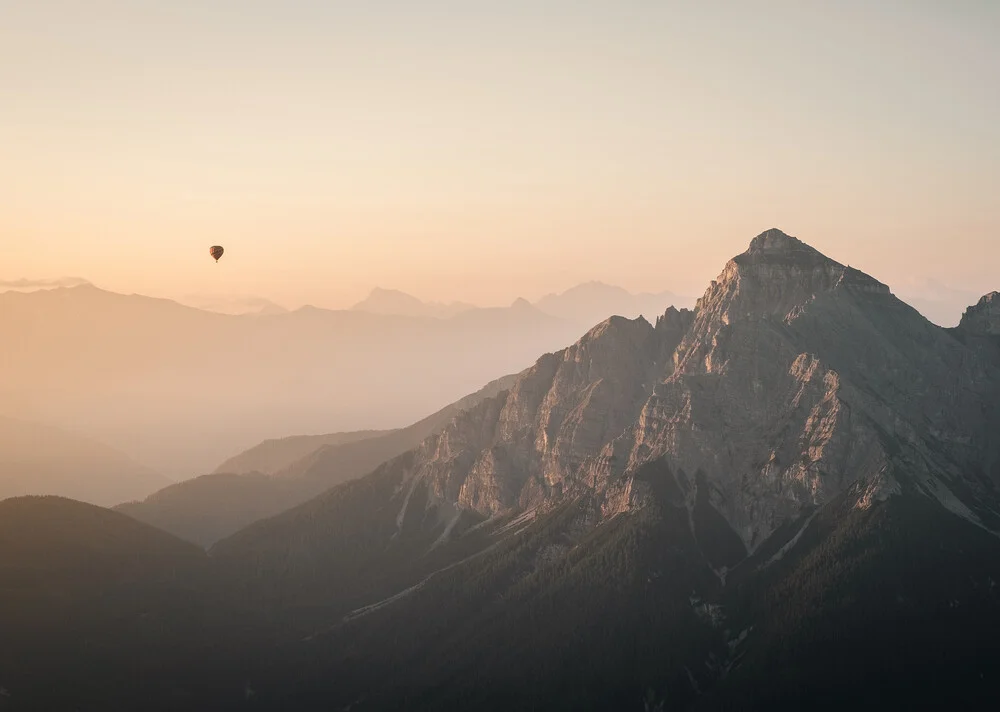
<point x="616" y="328"/>
<point x="776" y="277"/>
<point x="983" y="318"/>
<point x="774" y="241"/>
<point x="674" y="318"/>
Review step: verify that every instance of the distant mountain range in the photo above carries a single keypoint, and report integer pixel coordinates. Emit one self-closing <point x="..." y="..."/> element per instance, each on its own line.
<point x="941" y="305"/>
<point x="586" y="304"/>
<point x="594" y="302"/>
<point x="181" y="389"/>
<point x="392" y="301"/>
<point x="35" y="284"/>
<point x="233" y="305"/>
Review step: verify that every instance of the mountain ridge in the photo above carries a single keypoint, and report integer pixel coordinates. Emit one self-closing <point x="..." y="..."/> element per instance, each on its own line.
<point x="758" y="439"/>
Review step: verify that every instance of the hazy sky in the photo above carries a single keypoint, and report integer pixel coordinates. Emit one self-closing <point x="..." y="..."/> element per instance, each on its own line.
<point x="484" y="150"/>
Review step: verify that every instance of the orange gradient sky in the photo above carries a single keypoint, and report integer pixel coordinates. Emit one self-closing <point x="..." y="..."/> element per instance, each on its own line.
<point x="487" y="150"/>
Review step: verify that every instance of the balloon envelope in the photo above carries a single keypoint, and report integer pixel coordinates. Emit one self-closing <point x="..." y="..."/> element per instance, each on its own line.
<point x="216" y="252"/>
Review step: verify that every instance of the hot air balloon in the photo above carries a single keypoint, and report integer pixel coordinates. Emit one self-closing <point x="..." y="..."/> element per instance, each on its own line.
<point x="216" y="252"/>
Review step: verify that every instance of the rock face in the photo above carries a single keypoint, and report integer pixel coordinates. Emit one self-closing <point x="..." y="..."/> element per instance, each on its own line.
<point x="524" y="447"/>
<point x="983" y="318"/>
<point x="795" y="378"/>
<point x="801" y="376"/>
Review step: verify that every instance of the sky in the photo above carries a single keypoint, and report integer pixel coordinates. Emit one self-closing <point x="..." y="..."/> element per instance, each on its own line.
<point x="481" y="151"/>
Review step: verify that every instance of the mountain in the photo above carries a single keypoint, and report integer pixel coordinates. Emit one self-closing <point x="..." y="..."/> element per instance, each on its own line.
<point x="395" y="302"/>
<point x="233" y="305"/>
<point x="33" y="284"/>
<point x="585" y="304"/>
<point x="983" y="318"/>
<point x="40" y="459"/>
<point x="209" y="508"/>
<point x="784" y="498"/>
<point x="592" y="302"/>
<point x="276" y="454"/>
<point x="98" y="611"/>
<point x="181" y="389"/>
<point x="800" y="467"/>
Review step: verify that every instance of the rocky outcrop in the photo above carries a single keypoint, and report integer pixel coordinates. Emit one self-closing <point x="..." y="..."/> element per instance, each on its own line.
<point x="801" y="376"/>
<point x="520" y="449"/>
<point x="983" y="318"/>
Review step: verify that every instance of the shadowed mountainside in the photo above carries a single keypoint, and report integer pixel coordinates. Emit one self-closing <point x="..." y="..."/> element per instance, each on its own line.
<point x="98" y="611"/>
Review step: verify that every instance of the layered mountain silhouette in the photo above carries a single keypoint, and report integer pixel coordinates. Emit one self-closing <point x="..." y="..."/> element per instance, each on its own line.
<point x="276" y="454"/>
<point x="784" y="498"/>
<point x="585" y="304"/>
<point x="180" y="389"/>
<point x="393" y="301"/>
<point x="592" y="302"/>
<point x="279" y="474"/>
<point x="233" y="305"/>
<point x="941" y="305"/>
<point x="40" y="459"/>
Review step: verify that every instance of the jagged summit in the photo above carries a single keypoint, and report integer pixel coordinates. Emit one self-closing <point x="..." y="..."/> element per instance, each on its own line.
<point x="775" y="241"/>
<point x="775" y="247"/>
<point x="984" y="316"/>
<point x="615" y="325"/>
<point x="776" y="277"/>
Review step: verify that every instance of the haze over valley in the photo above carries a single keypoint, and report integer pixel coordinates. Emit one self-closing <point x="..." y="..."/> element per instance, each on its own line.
<point x="181" y="389"/>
